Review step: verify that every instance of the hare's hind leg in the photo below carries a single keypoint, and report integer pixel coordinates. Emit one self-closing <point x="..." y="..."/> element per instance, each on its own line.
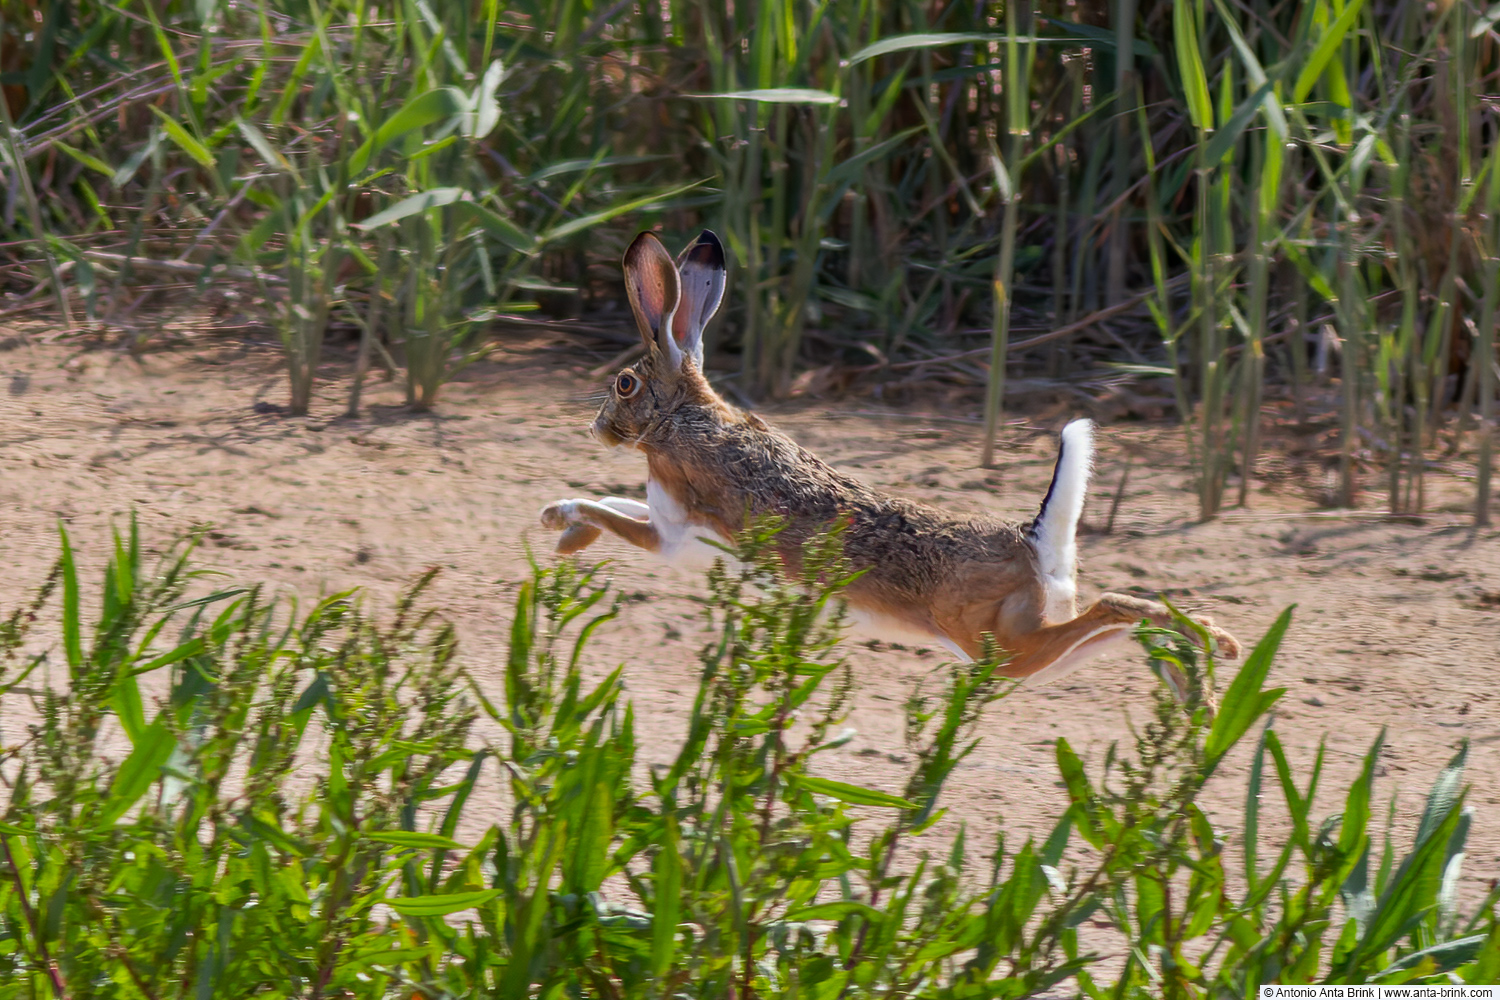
<point x="1052" y="651"/>
<point x="581" y="522"/>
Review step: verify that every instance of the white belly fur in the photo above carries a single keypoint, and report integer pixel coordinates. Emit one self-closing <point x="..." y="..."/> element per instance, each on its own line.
<point x="681" y="539"/>
<point x="869" y="625"/>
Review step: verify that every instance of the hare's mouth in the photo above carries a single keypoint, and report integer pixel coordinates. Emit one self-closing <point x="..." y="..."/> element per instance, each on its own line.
<point x="606" y="434"/>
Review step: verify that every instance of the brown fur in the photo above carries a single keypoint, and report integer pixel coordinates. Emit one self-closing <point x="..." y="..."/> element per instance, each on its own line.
<point x="949" y="577"/>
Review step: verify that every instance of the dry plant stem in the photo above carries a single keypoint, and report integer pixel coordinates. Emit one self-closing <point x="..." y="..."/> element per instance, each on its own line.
<point x="181" y="268"/>
<point x="1114" y="505"/>
<point x="995" y="392"/>
<point x="1008" y="177"/>
<point x="1484" y="348"/>
<point x="1348" y="381"/>
<point x="33" y="210"/>
<point x="1124" y="20"/>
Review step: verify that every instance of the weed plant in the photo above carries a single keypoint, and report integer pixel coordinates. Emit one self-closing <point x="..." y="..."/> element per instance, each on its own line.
<point x="282" y="818"/>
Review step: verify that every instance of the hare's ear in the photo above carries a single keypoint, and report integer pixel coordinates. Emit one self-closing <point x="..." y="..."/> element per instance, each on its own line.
<point x="651" y="282"/>
<point x="701" y="268"/>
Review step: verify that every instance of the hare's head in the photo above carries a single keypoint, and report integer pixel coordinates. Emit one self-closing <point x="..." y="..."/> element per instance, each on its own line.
<point x="672" y="302"/>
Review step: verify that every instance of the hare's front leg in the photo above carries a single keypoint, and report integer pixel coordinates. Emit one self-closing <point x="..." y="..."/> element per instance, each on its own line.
<point x="582" y="520"/>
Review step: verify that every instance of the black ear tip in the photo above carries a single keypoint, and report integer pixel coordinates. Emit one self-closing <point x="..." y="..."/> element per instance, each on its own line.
<point x="708" y="249"/>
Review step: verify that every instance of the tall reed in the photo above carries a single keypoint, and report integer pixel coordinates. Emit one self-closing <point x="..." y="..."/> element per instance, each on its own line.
<point x="843" y="151"/>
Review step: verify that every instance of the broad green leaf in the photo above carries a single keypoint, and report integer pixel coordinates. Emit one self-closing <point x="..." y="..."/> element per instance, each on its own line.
<point x="496" y="225"/>
<point x="411" y="205"/>
<point x="1446" y="791"/>
<point x="177" y="654"/>
<point x="262" y="146"/>
<point x="415" y="840"/>
<point x="184" y="141"/>
<point x="1323" y="52"/>
<point x="138" y="771"/>
<point x="604" y="215"/>
<point x="441" y="905"/>
<point x="928" y="40"/>
<point x="1229" y="133"/>
<point x="485" y="114"/>
<point x="852" y="794"/>
<point x="1271" y="103"/>
<point x="439" y="104"/>
<point x="72" y="623"/>
<point x="774" y="95"/>
<point x="667" y="908"/>
<point x="1190" y="65"/>
<point x="1252" y="811"/>
<point x="1315" y="279"/>
<point x="92" y="162"/>
<point x="837" y="910"/>
<point x="595" y="827"/>
<point x="1244" y="701"/>
<point x="1445" y="956"/>
<point x="1079" y="791"/>
<point x="1412" y="893"/>
<point x="128" y="708"/>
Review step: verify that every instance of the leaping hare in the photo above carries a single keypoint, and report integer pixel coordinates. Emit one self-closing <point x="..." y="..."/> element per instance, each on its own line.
<point x="930" y="576"/>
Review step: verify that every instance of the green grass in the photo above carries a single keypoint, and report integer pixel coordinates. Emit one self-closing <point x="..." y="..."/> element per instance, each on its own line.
<point x="295" y="816"/>
<point x="1267" y="174"/>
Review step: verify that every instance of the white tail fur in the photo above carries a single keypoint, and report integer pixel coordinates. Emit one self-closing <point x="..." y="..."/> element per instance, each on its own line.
<point x="1052" y="533"/>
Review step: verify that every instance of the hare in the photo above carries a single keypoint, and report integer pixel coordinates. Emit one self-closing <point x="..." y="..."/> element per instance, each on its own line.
<point x="929" y="576"/>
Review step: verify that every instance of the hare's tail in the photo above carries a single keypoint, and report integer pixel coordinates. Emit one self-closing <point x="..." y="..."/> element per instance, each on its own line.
<point x="1052" y="533"/>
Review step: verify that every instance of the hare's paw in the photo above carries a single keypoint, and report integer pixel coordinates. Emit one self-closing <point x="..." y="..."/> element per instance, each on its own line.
<point x="1228" y="647"/>
<point x="560" y="514"/>
<point x="577" y="531"/>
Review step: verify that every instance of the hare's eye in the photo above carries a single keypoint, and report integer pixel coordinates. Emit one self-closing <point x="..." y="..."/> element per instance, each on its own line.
<point x="627" y="385"/>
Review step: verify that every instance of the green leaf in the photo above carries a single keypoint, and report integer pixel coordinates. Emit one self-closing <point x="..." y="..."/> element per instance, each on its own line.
<point x="667" y="869"/>
<point x="72" y="623"/>
<point x="775" y="95"/>
<point x="496" y="225"/>
<point x="443" y="904"/>
<point x="1245" y="702"/>
<point x="1326" y="47"/>
<point x="837" y="910"/>
<point x="411" y="205"/>
<point x="486" y="109"/>
<point x="1445" y="792"/>
<point x="128" y="708"/>
<point x="928" y="40"/>
<point x="1445" y="956"/>
<point x="262" y="146"/>
<point x="590" y="863"/>
<point x="184" y="141"/>
<point x="138" y="771"/>
<point x="1225" y="137"/>
<point x="852" y="794"/>
<point x="426" y="108"/>
<point x="416" y="841"/>
<point x="92" y="162"/>
<point x="595" y="218"/>
<point x="1079" y="791"/>
<point x="1190" y="65"/>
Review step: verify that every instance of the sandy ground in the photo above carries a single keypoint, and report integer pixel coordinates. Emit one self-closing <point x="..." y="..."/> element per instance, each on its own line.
<point x="1397" y="624"/>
